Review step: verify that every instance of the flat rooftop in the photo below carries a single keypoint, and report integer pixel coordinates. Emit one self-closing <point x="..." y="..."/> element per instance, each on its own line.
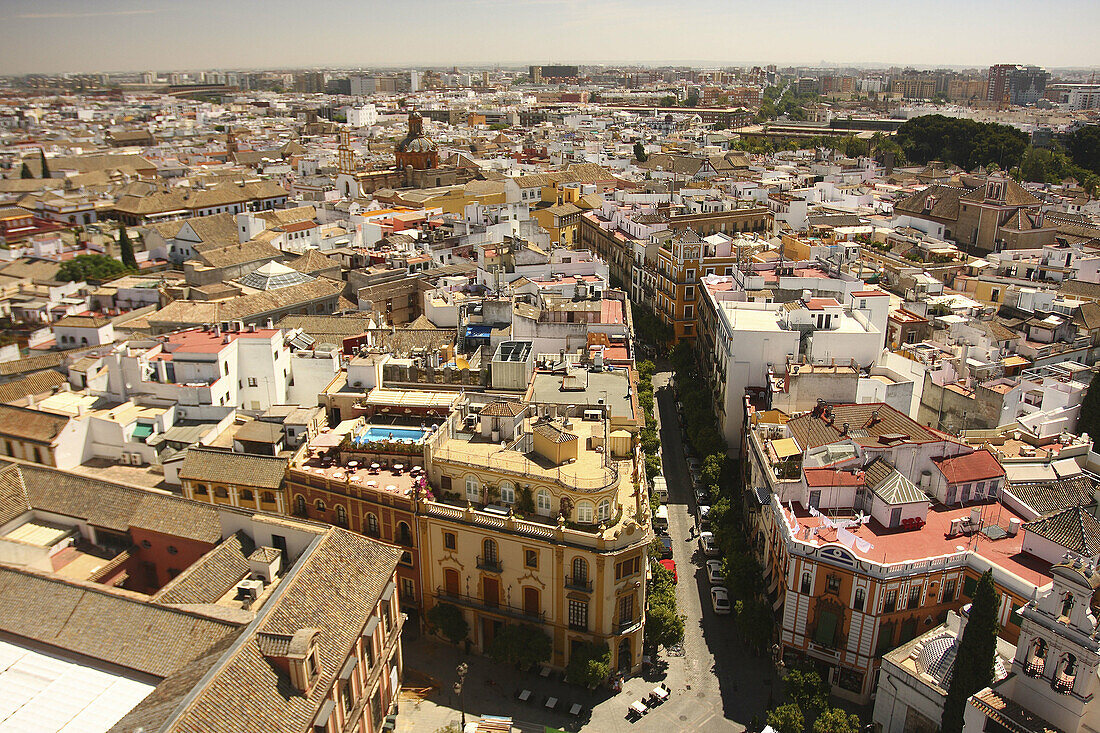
<point x="49" y="693"/>
<point x="585" y="387"/>
<point x="891" y="546"/>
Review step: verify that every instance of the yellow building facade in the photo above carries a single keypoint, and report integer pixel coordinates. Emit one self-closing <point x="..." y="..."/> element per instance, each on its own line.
<point x="540" y="521"/>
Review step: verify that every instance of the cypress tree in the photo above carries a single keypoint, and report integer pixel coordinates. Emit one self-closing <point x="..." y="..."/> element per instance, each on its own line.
<point x="45" y="168"/>
<point x="1088" y="420"/>
<point x="974" y="660"/>
<point x="26" y="172"/>
<point x="126" y="249"/>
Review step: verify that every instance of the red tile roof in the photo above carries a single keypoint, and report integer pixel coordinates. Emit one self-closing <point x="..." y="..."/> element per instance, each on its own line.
<point x="976" y="466"/>
<point x="822" y="477"/>
<point x="816" y="304"/>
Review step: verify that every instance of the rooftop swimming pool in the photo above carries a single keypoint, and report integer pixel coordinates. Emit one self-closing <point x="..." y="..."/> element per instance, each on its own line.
<point x="390" y="433"/>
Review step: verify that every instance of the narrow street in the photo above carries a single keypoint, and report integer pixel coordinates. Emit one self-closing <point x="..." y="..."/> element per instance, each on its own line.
<point x="729" y="684"/>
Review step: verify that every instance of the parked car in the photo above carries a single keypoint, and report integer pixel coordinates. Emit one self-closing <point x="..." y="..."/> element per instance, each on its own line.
<point x="666" y="546"/>
<point x="660" y="520"/>
<point x="693" y="464"/>
<point x="670" y="565"/>
<point x="708" y="544"/>
<point x="720" y="600"/>
<point x="702" y="496"/>
<point x="702" y="517"/>
<point x="714" y="572"/>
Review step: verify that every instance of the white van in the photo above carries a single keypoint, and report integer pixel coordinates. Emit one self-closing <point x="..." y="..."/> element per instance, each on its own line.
<point x="660" y="489"/>
<point x="660" y="519"/>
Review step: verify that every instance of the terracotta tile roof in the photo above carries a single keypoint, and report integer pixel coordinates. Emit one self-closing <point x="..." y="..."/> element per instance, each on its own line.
<point x="502" y="408"/>
<point x="22" y="423"/>
<point x="32" y="384"/>
<point x="211" y="576"/>
<point x="237" y="254"/>
<point x="313" y="262"/>
<point x="239" y="469"/>
<point x="946" y="202"/>
<point x="82" y="322"/>
<point x="247" y="691"/>
<point x="216" y="230"/>
<point x="31" y="364"/>
<point x="13" y="495"/>
<point x="117" y="507"/>
<point x="812" y="430"/>
<point x="1049" y="496"/>
<point x="1010" y="715"/>
<point x="890" y="485"/>
<point x="977" y="466"/>
<point x="1073" y="528"/>
<point x="115" y="626"/>
<point x="823" y="477"/>
<point x="553" y="434"/>
<point x="1080" y="288"/>
<point x="1015" y="195"/>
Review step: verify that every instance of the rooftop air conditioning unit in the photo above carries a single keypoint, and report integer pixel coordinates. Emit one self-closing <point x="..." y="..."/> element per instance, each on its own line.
<point x="249" y="589"/>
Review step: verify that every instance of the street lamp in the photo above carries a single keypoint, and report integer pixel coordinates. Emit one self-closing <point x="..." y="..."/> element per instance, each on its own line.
<point x="461" y="671"/>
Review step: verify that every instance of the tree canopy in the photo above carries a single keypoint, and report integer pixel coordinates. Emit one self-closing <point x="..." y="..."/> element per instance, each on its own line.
<point x="639" y="152"/>
<point x="449" y="620"/>
<point x="1084" y="147"/>
<point x="835" y="720"/>
<point x="963" y="142"/>
<point x="787" y="719"/>
<point x="974" y="659"/>
<point x="521" y="644"/>
<point x="1089" y="419"/>
<point x="84" y="268"/>
<point x="589" y="664"/>
<point x="45" y="168"/>
<point x="126" y="249"/>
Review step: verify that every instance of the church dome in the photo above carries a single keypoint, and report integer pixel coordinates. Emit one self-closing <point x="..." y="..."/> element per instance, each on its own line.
<point x="419" y="144"/>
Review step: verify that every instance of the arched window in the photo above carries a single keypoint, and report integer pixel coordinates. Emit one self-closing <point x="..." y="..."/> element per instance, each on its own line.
<point x="341" y="515"/>
<point x="1067" y="604"/>
<point x="860" y="598"/>
<point x="489" y="552"/>
<point x="542" y="496"/>
<point x="580" y="570"/>
<point x="507" y="493"/>
<point x="473" y="489"/>
<point x="200" y="490"/>
<point x="320" y="505"/>
<point x="404" y="534"/>
<point x="221" y="492"/>
<point x="585" y="512"/>
<point x="246" y="495"/>
<point x="1036" y="660"/>
<point x="268" y="496"/>
<point x="806" y="583"/>
<point x="1065" y="675"/>
<point x="372" y="525"/>
<point x="300" y="505"/>
<point x="603" y="510"/>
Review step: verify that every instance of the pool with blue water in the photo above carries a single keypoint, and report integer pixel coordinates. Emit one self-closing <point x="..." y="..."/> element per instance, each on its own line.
<point x="382" y="433"/>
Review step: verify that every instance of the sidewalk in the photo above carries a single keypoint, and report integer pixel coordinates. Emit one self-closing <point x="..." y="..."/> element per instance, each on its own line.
<point x="491" y="690"/>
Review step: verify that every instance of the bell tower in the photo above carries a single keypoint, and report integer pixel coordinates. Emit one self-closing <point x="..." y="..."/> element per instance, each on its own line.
<point x="345" y="155"/>
<point x="1055" y="667"/>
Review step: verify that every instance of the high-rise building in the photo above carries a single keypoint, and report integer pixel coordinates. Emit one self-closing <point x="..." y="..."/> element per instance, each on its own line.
<point x="1019" y="85"/>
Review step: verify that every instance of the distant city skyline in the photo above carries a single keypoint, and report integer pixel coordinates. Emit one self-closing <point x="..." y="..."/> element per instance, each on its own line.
<point x="53" y="36"/>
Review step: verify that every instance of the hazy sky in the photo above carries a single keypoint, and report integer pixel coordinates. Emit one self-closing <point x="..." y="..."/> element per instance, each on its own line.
<point x="118" y="35"/>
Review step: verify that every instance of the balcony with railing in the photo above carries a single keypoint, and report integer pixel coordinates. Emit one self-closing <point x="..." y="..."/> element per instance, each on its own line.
<point x="575" y="582"/>
<point x="491" y="564"/>
<point x="492" y="605"/>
